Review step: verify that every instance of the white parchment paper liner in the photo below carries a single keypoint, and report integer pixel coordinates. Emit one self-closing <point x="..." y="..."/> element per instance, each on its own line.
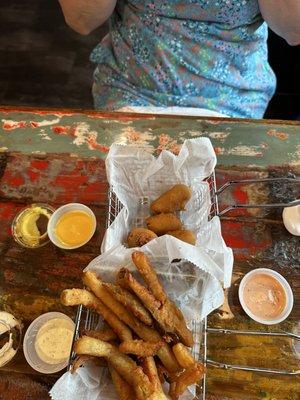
<point x="133" y="174"/>
<point x="194" y="283"/>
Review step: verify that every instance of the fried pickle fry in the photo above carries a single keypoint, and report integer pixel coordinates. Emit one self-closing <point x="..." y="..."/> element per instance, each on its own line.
<point x="131" y="302"/>
<point x="184" y="235"/>
<point x="144" y="332"/>
<point x="123" y="389"/>
<point x="107" y="334"/>
<point x="126" y="280"/>
<point x="150" y="370"/>
<point x="188" y="377"/>
<point x="124" y="365"/>
<point x="75" y="297"/>
<point x="140" y="348"/>
<point x="167" y="315"/>
<point x="174" y="199"/>
<point x="147" y="272"/>
<point x="183" y="356"/>
<point x="137" y="237"/>
<point x="162" y="373"/>
<point x="163" y="223"/>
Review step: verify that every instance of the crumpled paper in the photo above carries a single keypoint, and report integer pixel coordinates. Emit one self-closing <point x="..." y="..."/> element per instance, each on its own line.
<point x="135" y="175"/>
<point x="196" y="278"/>
<point x="193" y="281"/>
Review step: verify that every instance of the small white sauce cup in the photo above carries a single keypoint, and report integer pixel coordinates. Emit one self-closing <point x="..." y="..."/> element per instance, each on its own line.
<point x="291" y="219"/>
<point x="29" y="344"/>
<point x="288" y="294"/>
<point x="58" y="214"/>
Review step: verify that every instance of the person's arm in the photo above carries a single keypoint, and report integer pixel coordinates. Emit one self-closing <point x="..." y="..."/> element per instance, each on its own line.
<point x="283" y="17"/>
<point x="86" y="15"/>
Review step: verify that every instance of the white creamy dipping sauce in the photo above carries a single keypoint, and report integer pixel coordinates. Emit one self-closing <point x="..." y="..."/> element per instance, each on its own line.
<point x="54" y="341"/>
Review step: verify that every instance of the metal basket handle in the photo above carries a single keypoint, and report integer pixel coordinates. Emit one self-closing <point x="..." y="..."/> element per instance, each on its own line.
<point x="228" y="184"/>
<point x="246" y="368"/>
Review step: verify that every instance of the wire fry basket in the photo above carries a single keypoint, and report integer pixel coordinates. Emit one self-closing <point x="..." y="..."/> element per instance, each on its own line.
<point x="87" y="320"/>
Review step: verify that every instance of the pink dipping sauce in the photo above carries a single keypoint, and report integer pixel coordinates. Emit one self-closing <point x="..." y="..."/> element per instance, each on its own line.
<point x="264" y="296"/>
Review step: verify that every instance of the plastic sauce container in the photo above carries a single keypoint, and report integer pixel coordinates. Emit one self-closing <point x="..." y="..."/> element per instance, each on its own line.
<point x="47" y="342"/>
<point x="29" y="227"/>
<point x="72" y="226"/>
<point x="10" y="333"/>
<point x="266" y="296"/>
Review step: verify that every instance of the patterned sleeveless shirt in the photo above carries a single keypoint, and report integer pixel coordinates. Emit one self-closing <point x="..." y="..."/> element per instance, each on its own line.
<point x="209" y="54"/>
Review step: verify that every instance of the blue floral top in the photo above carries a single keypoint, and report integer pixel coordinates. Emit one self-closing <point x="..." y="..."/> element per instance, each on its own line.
<point x="208" y="54"/>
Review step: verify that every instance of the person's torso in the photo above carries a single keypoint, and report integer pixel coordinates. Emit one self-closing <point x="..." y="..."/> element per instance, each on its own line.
<point x="188" y="53"/>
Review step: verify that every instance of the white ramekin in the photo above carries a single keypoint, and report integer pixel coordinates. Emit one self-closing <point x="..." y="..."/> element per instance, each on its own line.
<point x="283" y="282"/>
<point x="58" y="214"/>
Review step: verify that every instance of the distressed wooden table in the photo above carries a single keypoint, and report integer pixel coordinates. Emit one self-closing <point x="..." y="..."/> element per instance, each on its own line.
<point x="57" y="157"/>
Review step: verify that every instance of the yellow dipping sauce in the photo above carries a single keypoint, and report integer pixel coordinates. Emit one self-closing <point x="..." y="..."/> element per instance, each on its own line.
<point x="54" y="341"/>
<point x="74" y="228"/>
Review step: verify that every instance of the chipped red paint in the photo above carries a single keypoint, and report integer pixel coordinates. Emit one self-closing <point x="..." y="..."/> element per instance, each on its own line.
<point x="7" y="211"/>
<point x="94" y="145"/>
<point x="33" y="176"/>
<point x="39" y="164"/>
<point x="240" y="195"/>
<point x="166" y="142"/>
<point x="10" y="125"/>
<point x="15" y="180"/>
<point x="61" y="130"/>
<point x="218" y="150"/>
<point x="70" y="181"/>
<point x="277" y="134"/>
<point x="245" y="240"/>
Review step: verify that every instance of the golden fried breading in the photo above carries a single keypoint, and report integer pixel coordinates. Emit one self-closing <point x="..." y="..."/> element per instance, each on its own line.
<point x="124" y="365"/>
<point x="163" y="223"/>
<point x="106" y="334"/>
<point x="123" y="389"/>
<point x="140" y="348"/>
<point x="149" y="275"/>
<point x="167" y="315"/>
<point x="130" y="301"/>
<point x="139" y="236"/>
<point x="74" y="297"/>
<point x="174" y="199"/>
<point x="143" y="331"/>
<point x="183" y="355"/>
<point x="188" y="377"/>
<point x="149" y="367"/>
<point x="184" y="235"/>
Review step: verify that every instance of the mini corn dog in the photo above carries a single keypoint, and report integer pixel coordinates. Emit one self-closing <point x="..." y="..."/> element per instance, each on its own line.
<point x="137" y="237"/>
<point x="174" y="199"/>
<point x="163" y="223"/>
<point x="184" y="235"/>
